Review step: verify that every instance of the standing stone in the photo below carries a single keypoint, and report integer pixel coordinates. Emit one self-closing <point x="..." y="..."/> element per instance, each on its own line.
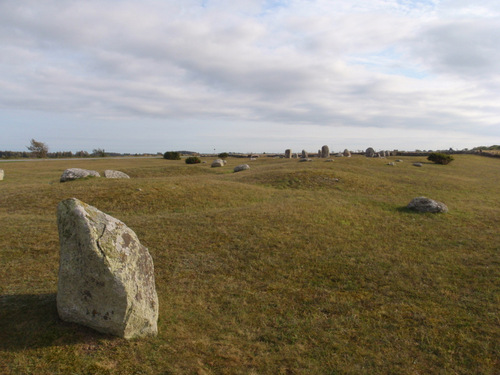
<point x="423" y="204"/>
<point x="108" y="173"/>
<point x="304" y="154"/>
<point x="76" y="173"/>
<point x="325" y="152"/>
<point x="288" y="153"/>
<point x="106" y="277"/>
<point x="347" y="153"/>
<point x="370" y="152"/>
<point x="1" y="174"/>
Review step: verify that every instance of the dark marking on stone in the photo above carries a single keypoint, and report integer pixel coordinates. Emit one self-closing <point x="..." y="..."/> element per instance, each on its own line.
<point x="138" y="296"/>
<point x="127" y="239"/>
<point x="86" y="295"/>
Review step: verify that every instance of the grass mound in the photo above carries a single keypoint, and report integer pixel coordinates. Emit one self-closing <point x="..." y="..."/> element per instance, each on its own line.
<point x="308" y="179"/>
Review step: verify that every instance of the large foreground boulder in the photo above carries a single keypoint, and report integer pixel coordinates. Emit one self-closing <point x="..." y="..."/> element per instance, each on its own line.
<point x="76" y="173"/>
<point x="106" y="277"/>
<point x="423" y="204"/>
<point x="108" y="173"/>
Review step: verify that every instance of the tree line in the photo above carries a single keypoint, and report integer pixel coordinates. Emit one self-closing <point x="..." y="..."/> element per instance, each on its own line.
<point x="38" y="149"/>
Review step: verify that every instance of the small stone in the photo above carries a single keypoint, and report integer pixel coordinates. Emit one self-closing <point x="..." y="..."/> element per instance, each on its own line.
<point x="417" y="164"/>
<point x="391" y="163"/>
<point x="108" y="173"/>
<point x="218" y="163"/>
<point x="399" y="160"/>
<point x="76" y="173"/>
<point x="241" y="167"/>
<point x="2" y="174"/>
<point x="423" y="204"/>
<point x="329" y="160"/>
<point x="305" y="159"/>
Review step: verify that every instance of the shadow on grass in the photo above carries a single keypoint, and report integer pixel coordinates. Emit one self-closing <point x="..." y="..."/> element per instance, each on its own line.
<point x="407" y="210"/>
<point x="29" y="321"/>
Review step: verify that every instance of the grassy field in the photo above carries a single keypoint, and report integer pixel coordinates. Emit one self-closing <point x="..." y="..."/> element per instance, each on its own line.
<point x="280" y="269"/>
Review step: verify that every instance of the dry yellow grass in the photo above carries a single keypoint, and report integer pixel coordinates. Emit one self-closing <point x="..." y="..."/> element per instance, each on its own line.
<point x="279" y="269"/>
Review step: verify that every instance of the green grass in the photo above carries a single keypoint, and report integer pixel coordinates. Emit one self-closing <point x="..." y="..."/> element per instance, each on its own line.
<point x="287" y="268"/>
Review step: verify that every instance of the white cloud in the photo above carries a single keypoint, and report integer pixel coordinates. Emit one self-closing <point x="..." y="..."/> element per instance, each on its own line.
<point x="414" y="65"/>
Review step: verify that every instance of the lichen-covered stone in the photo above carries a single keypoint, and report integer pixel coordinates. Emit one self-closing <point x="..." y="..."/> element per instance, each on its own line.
<point x="288" y="153"/>
<point x="106" y="277"/>
<point x="108" y="173"/>
<point x="424" y="204"/>
<point x="76" y="173"/>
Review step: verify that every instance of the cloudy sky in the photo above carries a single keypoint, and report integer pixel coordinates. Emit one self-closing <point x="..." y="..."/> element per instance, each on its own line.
<point x="249" y="75"/>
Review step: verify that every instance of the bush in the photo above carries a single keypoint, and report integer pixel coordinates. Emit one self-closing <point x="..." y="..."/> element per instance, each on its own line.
<point x="440" y="158"/>
<point x="172" y="155"/>
<point x="223" y="155"/>
<point x="193" y="160"/>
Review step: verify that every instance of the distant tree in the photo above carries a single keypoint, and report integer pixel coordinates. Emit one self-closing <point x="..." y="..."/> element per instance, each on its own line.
<point x="193" y="160"/>
<point x="223" y="155"/>
<point x="440" y="158"/>
<point x="99" y="152"/>
<point x="38" y="149"/>
<point x="82" y="154"/>
<point x="172" y="155"/>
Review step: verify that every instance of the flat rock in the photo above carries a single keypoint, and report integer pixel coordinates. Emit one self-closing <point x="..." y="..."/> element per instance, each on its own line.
<point x="108" y="173"/>
<point x="218" y="163"/>
<point x="305" y="159"/>
<point x="76" y="173"/>
<point x="106" y="277"/>
<point x="417" y="164"/>
<point x="241" y="167"/>
<point x="423" y="204"/>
